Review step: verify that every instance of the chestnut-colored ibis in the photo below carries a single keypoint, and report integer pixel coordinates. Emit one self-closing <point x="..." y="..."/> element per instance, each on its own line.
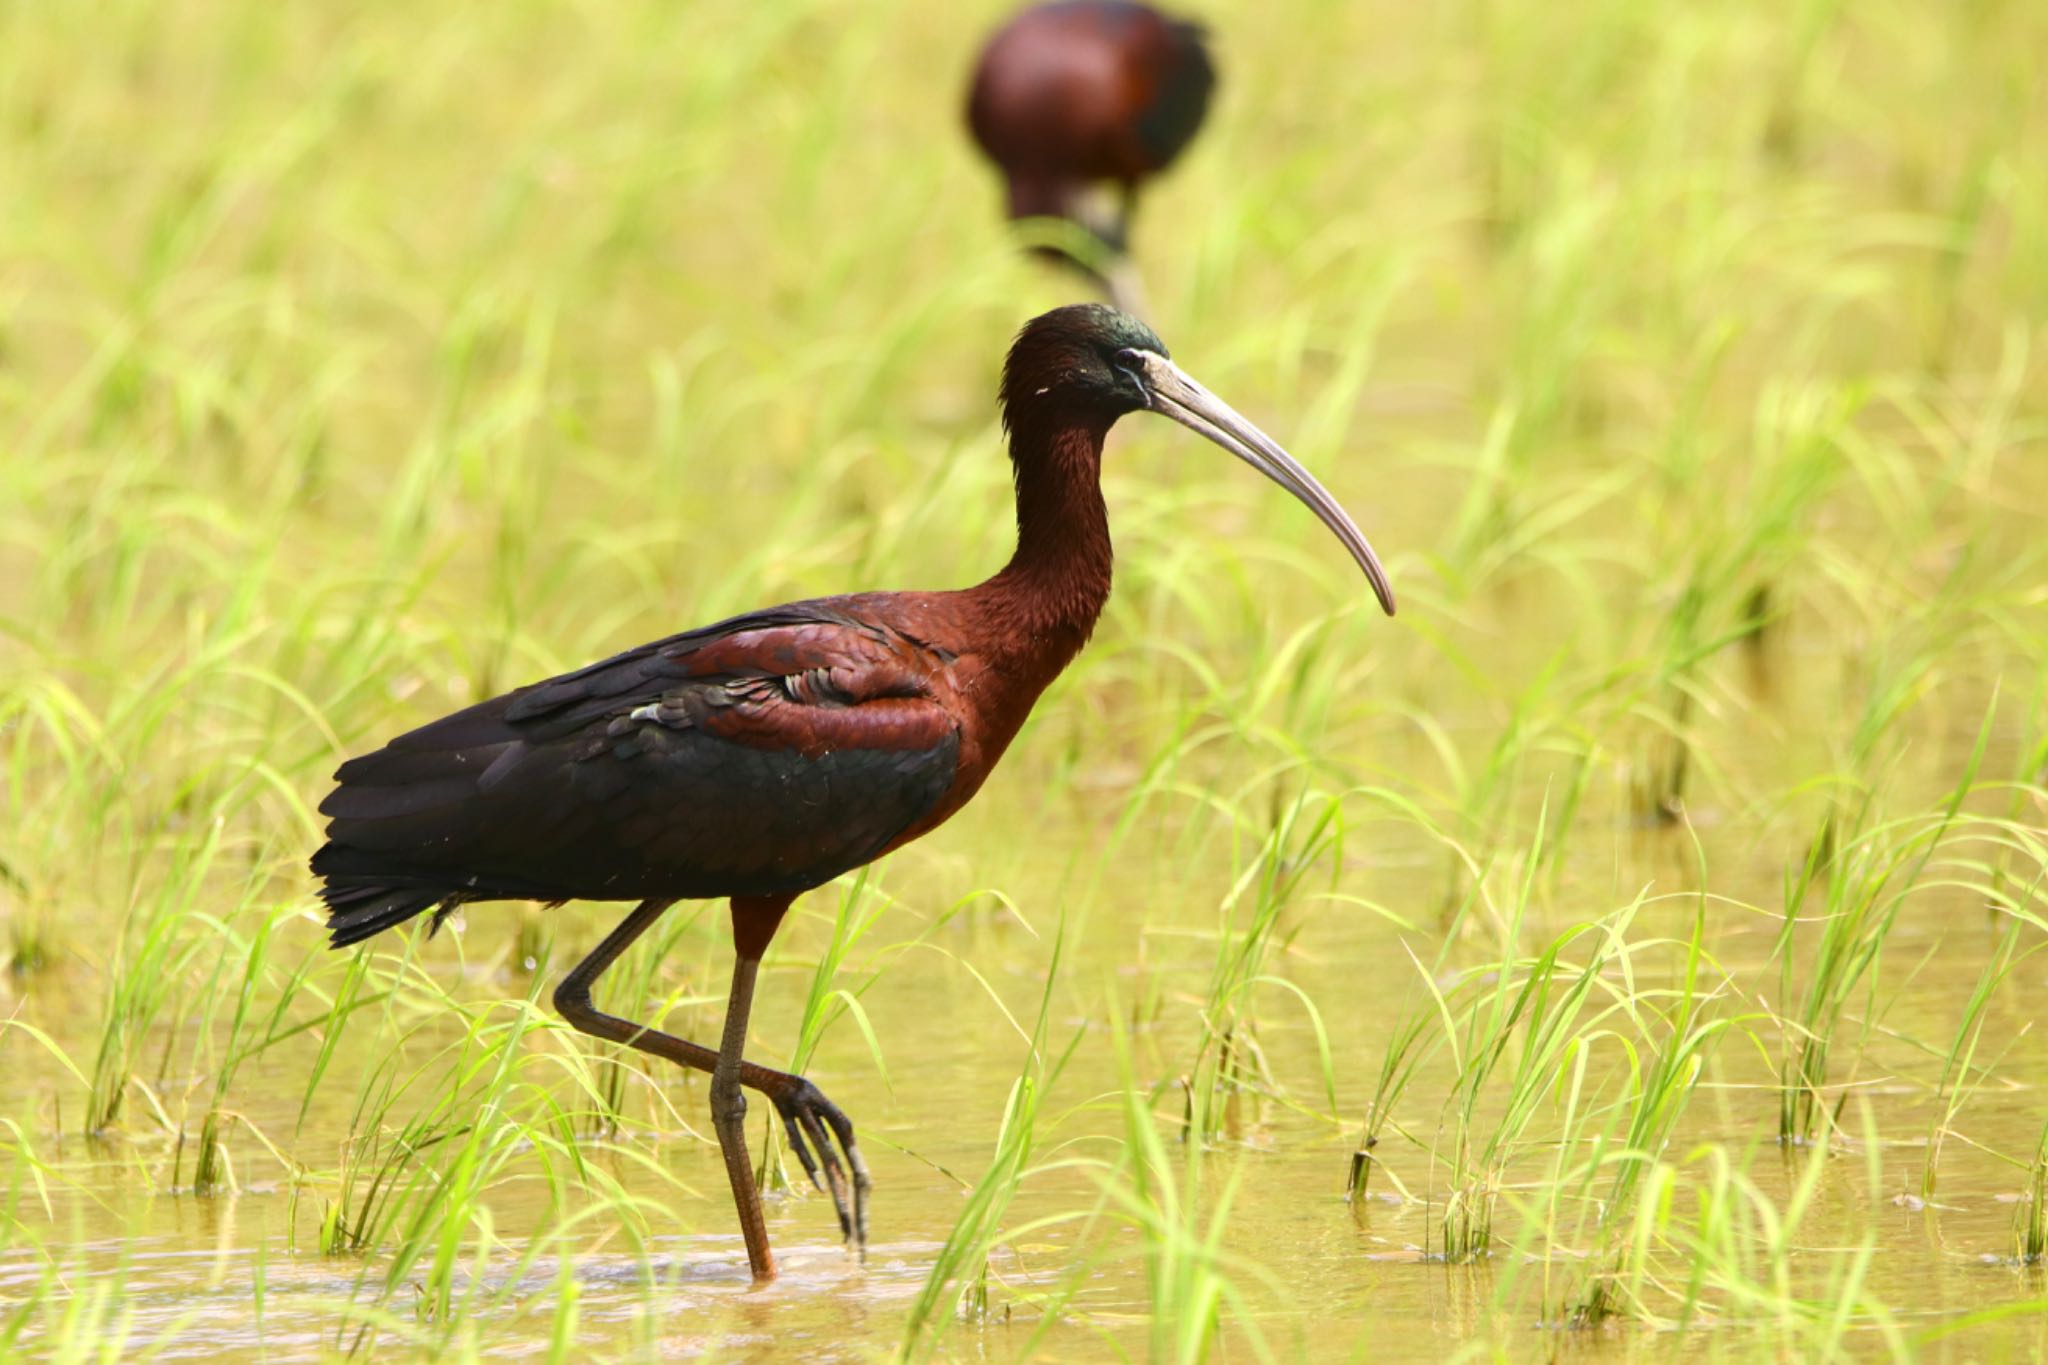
<point x="761" y="757"/>
<point x="1079" y="94"/>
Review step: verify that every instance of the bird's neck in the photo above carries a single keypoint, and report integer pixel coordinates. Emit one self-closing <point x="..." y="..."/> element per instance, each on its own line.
<point x="1047" y="598"/>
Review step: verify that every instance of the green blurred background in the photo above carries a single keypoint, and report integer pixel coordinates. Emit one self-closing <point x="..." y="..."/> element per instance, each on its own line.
<point x="1685" y="363"/>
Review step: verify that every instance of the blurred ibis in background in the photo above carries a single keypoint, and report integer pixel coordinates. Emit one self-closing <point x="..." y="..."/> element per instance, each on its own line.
<point x="761" y="757"/>
<point x="1083" y="100"/>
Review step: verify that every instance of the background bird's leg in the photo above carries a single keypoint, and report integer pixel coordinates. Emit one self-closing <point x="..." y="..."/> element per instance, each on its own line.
<point x="1126" y="291"/>
<point x="1119" y="273"/>
<point x="1084" y="228"/>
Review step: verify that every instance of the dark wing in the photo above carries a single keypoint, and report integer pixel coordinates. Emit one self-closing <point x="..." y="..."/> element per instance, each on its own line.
<point x="1178" y="78"/>
<point x="763" y="755"/>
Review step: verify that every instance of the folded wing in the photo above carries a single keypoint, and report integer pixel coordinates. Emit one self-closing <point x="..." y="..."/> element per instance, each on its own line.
<point x="762" y="755"/>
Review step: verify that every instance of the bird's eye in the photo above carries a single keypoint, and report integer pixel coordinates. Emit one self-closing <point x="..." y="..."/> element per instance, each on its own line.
<point x="1127" y="364"/>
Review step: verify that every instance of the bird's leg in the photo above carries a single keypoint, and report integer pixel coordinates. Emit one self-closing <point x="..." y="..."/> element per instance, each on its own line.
<point x="729" y="1115"/>
<point x="804" y="1110"/>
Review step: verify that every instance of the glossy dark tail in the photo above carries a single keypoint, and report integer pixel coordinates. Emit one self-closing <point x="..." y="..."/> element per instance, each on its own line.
<point x="360" y="904"/>
<point x="393" y="811"/>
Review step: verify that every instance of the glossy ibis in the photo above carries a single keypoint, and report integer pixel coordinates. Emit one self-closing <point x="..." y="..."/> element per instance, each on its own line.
<point x="763" y="756"/>
<point x="1082" y="93"/>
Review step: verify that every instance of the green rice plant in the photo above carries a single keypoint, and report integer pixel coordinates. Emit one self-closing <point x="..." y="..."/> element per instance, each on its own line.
<point x="1786" y="130"/>
<point x="1485" y="794"/>
<point x="1658" y="1096"/>
<point x="861" y="905"/>
<point x="562" y="1337"/>
<point x="1193" y="1281"/>
<point x="1867" y="880"/>
<point x="1960" y="1074"/>
<point x="1732" y="580"/>
<point x="1559" y="288"/>
<point x="1897" y="684"/>
<point x="378" y="1154"/>
<point x="2030" y="1219"/>
<point x="1406" y="1048"/>
<point x="1547" y="1005"/>
<point x="1797" y="461"/>
<point x="1229" y="1064"/>
<point x="31" y="944"/>
<point x="957" y="1285"/>
<point x="420" y="1193"/>
<point x="1398" y="1059"/>
<point x="1195" y="1286"/>
<point x="2029" y="783"/>
<point x="211" y="1170"/>
<point x="374" y="1159"/>
<point x="607" y="1114"/>
<point x="1583" y="753"/>
<point x="28" y="1176"/>
<point x="341" y="1005"/>
<point x="1485" y="519"/>
<point x="1660" y="786"/>
<point x="1857" y="918"/>
<point x="1741" y="1264"/>
<point x="146" y="973"/>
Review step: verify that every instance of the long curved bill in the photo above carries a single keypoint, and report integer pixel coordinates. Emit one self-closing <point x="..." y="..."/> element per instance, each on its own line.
<point x="1173" y="393"/>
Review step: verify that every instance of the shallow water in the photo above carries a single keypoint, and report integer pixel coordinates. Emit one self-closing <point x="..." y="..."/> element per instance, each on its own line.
<point x="1333" y="1279"/>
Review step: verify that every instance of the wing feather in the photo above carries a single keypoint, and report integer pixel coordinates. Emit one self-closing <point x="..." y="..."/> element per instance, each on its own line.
<point x="770" y="752"/>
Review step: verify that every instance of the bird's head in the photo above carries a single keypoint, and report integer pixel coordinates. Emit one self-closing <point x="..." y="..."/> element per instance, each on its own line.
<point x="1065" y="366"/>
<point x="1089" y="364"/>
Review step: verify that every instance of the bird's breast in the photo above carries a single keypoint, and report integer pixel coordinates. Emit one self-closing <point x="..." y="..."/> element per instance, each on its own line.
<point x="990" y="701"/>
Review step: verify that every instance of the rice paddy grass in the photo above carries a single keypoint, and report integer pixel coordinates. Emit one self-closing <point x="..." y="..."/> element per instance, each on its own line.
<point x="1631" y="951"/>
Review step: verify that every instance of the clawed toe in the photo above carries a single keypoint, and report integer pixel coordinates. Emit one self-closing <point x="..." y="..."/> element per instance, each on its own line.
<point x="806" y="1118"/>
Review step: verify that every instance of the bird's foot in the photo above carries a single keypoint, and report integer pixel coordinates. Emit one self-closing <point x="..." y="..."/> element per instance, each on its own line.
<point x="806" y="1117"/>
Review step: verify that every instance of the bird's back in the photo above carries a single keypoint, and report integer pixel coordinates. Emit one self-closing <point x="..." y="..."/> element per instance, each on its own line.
<point x="1090" y="90"/>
